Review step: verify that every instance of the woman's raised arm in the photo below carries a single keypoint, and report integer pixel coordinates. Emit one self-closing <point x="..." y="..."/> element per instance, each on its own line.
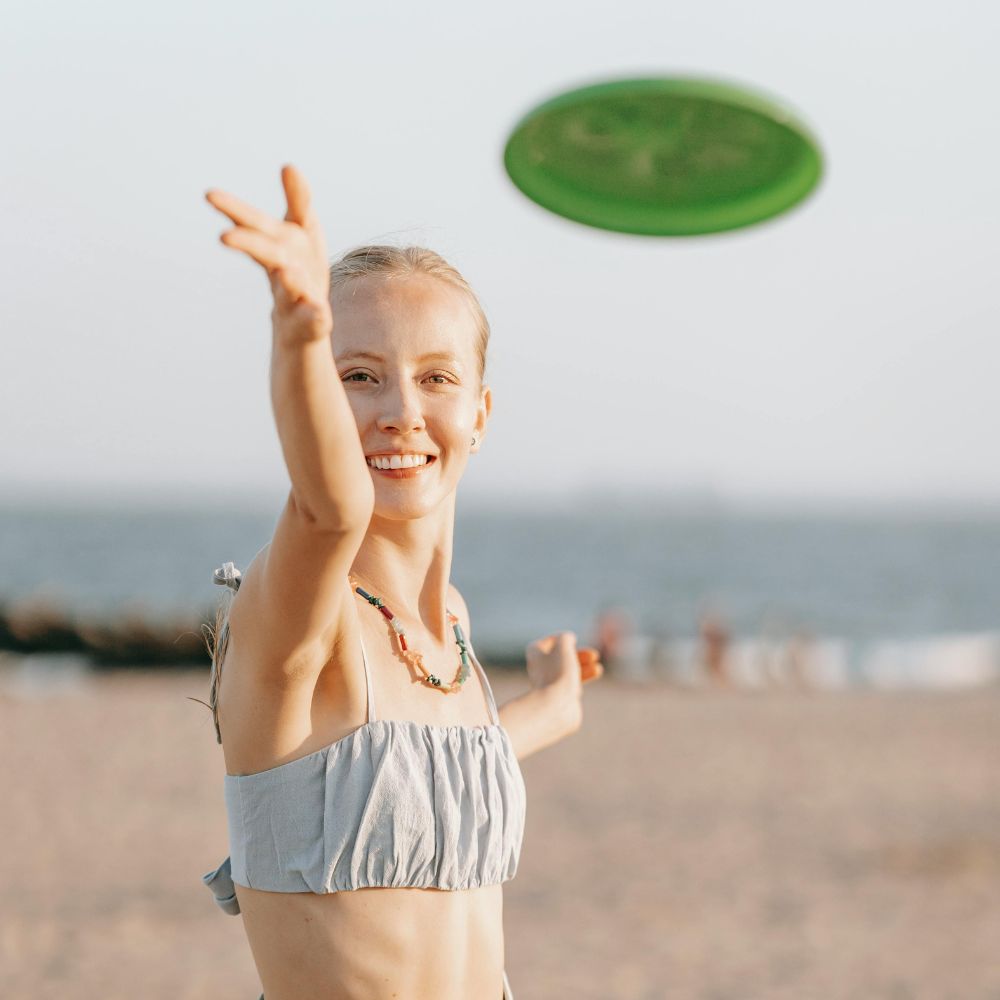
<point x="294" y="589"/>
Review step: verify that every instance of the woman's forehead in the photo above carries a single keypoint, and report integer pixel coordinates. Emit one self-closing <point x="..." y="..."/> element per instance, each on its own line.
<point x="412" y="315"/>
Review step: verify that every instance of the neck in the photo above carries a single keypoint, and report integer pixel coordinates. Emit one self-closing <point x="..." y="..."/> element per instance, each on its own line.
<point x="407" y="563"/>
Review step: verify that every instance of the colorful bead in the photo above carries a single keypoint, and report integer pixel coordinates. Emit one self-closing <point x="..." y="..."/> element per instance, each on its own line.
<point x="415" y="658"/>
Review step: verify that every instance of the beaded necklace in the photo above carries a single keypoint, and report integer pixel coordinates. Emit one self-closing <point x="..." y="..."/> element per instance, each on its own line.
<point x="411" y="655"/>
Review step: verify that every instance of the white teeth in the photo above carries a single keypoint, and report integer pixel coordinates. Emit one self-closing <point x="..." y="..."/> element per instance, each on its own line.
<point x="397" y="461"/>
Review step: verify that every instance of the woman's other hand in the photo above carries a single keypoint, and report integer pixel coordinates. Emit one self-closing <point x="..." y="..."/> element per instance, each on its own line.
<point x="555" y="660"/>
<point x="292" y="251"/>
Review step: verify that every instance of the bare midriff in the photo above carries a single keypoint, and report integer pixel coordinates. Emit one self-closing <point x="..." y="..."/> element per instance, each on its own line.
<point x="377" y="943"/>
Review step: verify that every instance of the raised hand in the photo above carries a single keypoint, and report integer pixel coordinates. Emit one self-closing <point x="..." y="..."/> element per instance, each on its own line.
<point x="292" y="251"/>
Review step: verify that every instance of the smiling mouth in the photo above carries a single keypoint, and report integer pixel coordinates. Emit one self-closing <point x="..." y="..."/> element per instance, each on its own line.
<point x="400" y="463"/>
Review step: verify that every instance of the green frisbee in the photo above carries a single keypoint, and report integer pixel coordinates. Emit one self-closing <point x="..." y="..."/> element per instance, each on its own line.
<point x="663" y="156"/>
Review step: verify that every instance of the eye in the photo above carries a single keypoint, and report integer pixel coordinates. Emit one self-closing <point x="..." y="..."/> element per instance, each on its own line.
<point x="358" y="376"/>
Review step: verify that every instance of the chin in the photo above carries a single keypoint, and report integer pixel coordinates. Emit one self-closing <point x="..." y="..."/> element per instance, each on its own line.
<point x="406" y="508"/>
<point x="395" y="502"/>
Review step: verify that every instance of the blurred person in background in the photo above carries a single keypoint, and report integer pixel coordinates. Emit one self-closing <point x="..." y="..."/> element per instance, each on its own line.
<point x="612" y="629"/>
<point x="715" y="642"/>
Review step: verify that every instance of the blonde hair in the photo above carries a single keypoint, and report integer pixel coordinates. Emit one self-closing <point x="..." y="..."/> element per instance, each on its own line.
<point x="217" y="640"/>
<point x="370" y="260"/>
<point x="384" y="260"/>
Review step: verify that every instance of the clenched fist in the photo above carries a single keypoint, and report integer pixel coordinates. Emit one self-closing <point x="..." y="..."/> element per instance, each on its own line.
<point x="555" y="660"/>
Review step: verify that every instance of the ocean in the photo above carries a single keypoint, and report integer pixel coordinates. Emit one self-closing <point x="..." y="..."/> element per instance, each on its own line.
<point x="525" y="573"/>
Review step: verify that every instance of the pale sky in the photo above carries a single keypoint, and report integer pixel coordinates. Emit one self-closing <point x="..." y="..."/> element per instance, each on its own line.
<point x="847" y="350"/>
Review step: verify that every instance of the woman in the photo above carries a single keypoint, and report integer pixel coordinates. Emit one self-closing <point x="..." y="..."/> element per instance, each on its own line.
<point x="371" y="820"/>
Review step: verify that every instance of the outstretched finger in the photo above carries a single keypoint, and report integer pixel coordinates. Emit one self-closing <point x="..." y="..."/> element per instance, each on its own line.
<point x="297" y="195"/>
<point x="262" y="248"/>
<point x="241" y="213"/>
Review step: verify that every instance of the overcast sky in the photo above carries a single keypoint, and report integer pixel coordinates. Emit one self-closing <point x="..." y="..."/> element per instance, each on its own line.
<point x="847" y="350"/>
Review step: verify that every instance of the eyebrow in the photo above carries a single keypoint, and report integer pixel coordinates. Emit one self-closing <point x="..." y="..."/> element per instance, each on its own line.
<point x="371" y="356"/>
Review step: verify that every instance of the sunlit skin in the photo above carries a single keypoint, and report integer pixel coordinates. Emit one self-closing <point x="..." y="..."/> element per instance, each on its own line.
<point x="378" y="943"/>
<point x="404" y="403"/>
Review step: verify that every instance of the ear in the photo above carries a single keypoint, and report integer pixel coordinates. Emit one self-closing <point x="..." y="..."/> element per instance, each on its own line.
<point x="482" y="415"/>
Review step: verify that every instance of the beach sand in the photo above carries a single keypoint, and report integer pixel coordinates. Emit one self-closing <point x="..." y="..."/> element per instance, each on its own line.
<point x="683" y="844"/>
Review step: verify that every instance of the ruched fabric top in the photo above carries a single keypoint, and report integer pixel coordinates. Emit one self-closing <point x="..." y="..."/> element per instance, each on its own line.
<point x="395" y="803"/>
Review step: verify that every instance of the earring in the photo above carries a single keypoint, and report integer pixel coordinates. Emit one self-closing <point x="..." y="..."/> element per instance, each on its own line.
<point x="473" y="438"/>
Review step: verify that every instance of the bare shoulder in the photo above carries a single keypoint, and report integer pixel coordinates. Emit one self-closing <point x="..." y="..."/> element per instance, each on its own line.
<point x="270" y="711"/>
<point x="457" y="605"/>
<point x="241" y="614"/>
<point x="251" y="570"/>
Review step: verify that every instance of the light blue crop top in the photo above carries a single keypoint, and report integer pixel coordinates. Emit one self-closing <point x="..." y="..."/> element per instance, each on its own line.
<point x="394" y="803"/>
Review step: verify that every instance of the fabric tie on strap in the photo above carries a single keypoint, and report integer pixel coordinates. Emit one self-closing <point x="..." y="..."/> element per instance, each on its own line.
<point x="227" y="575"/>
<point x="221" y="885"/>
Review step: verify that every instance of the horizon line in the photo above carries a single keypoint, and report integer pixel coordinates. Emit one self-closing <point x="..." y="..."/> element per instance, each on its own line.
<point x="687" y="500"/>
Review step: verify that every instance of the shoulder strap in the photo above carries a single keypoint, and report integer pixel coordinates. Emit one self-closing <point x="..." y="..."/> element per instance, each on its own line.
<point x="368" y="674"/>
<point x="368" y="681"/>
<point x="487" y="689"/>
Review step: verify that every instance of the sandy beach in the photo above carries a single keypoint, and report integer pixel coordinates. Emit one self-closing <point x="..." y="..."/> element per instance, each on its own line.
<point x="684" y="844"/>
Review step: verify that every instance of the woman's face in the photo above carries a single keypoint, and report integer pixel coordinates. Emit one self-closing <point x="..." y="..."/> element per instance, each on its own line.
<point x="405" y="350"/>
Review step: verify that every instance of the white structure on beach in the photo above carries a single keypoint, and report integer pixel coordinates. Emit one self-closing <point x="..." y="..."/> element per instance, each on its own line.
<point x="932" y="662"/>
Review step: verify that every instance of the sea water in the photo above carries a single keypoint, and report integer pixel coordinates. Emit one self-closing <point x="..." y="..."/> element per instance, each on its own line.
<point x="883" y="584"/>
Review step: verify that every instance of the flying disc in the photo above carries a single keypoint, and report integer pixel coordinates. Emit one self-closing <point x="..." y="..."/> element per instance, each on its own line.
<point x="663" y="156"/>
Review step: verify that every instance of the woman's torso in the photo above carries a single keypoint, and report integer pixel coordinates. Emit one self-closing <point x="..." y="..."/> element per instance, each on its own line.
<point x="369" y="942"/>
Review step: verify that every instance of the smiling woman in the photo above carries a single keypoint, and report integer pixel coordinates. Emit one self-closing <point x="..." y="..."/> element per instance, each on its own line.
<point x="354" y="829"/>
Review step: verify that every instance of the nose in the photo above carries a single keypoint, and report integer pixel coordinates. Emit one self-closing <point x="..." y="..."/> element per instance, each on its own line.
<point x="401" y="410"/>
